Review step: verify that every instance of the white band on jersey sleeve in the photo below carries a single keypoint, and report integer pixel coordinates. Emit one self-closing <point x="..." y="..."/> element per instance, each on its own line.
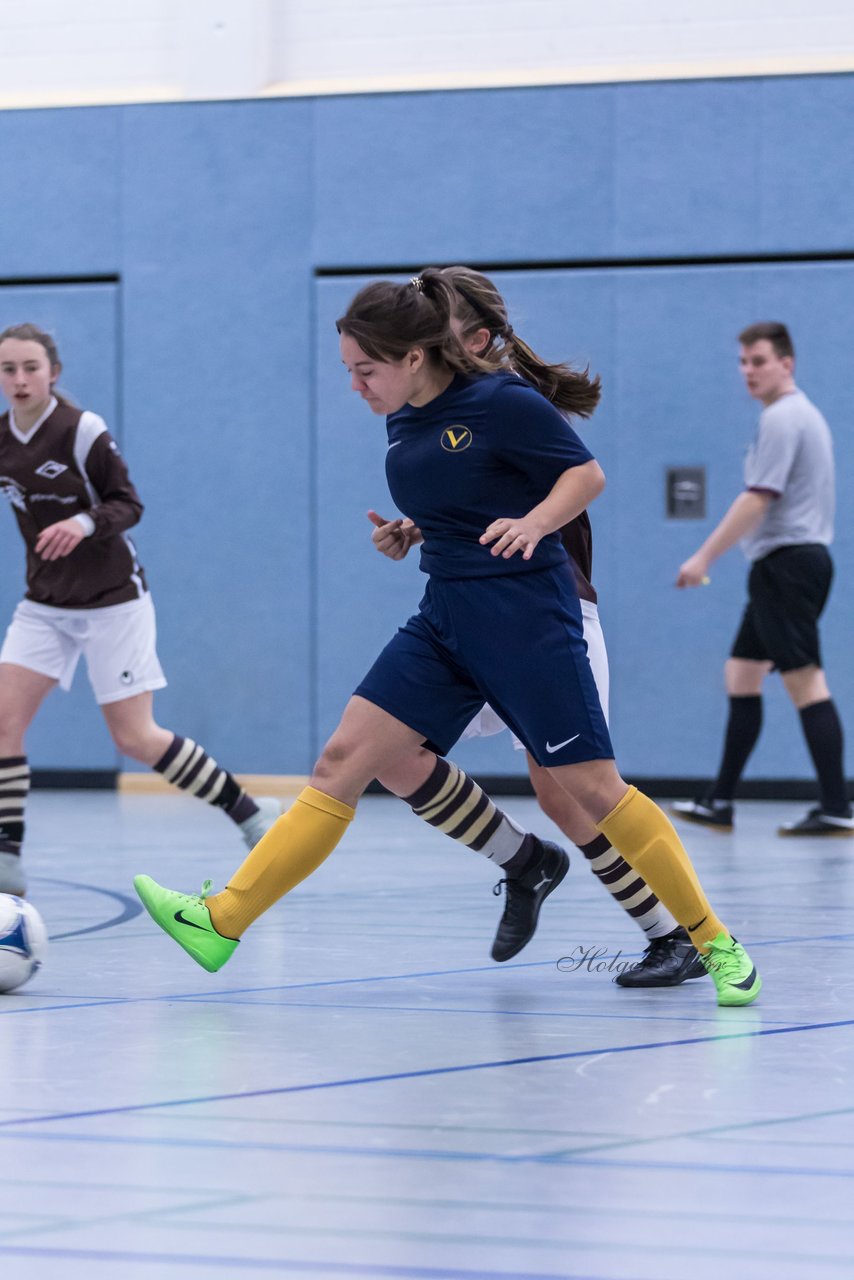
<point x="89" y="428"/>
<point x="87" y="524"/>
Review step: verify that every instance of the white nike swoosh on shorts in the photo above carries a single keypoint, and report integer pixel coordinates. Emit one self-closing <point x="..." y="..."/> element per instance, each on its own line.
<point x="558" y="745"/>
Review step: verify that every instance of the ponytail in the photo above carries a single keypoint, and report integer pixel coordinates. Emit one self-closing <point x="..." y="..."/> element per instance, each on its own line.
<point x="479" y="305"/>
<point x="571" y="390"/>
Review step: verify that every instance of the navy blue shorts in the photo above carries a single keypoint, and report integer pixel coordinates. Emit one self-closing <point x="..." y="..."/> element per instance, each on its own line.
<point x="514" y="641"/>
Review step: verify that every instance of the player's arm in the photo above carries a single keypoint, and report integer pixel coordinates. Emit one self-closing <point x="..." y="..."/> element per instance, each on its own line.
<point x="118" y="509"/>
<point x="744" y="514"/>
<point x="59" y="539"/>
<point x="572" y="493"/>
<point x="393" y="538"/>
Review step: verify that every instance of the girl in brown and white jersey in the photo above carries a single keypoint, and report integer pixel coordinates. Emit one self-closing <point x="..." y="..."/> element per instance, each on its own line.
<point x="86" y="593"/>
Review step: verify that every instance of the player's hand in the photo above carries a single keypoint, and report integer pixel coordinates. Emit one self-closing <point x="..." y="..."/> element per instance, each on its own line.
<point x="393" y="538"/>
<point x="59" y="539"/>
<point x="512" y="536"/>
<point x="693" y="573"/>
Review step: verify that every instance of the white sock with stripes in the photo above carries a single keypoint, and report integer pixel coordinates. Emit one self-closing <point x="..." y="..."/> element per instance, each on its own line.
<point x="189" y="767"/>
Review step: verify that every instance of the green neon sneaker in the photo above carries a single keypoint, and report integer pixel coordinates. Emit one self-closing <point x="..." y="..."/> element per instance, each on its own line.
<point x="185" y="918"/>
<point x="732" y="970"/>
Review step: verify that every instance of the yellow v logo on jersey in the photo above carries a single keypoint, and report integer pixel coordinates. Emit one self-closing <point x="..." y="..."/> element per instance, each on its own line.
<point x="455" y="439"/>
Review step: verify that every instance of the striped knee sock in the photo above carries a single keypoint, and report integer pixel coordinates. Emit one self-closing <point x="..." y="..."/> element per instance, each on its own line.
<point x="14" y="789"/>
<point x="628" y="889"/>
<point x="189" y="767"/>
<point x="453" y="803"/>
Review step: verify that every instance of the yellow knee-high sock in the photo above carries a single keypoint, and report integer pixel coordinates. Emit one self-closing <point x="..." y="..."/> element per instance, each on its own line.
<point x="646" y="838"/>
<point x="293" y="847"/>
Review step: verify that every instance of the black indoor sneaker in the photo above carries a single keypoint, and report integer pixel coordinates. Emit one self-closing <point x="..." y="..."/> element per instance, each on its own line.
<point x="818" y="823"/>
<point x="708" y="813"/>
<point x="667" y="962"/>
<point x="525" y="895"/>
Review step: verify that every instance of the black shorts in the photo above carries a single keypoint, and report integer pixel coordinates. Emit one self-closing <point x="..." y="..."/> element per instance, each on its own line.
<point x="787" y="591"/>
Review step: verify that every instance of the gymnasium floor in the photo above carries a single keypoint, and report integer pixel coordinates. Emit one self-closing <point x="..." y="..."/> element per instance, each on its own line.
<point x="363" y="1093"/>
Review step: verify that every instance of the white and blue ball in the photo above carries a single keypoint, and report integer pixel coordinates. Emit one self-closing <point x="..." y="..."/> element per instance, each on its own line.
<point x="23" y="941"/>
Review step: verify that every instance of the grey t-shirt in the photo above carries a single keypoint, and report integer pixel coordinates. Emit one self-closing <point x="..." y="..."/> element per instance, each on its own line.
<point x="791" y="458"/>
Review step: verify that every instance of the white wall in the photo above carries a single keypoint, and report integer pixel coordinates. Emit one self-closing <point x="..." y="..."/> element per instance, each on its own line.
<point x="76" y="51"/>
<point x="439" y="42"/>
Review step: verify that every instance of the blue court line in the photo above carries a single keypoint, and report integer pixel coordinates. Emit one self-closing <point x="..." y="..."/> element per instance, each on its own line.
<point x="421" y="1074"/>
<point x="372" y="1270"/>
<point x="380" y="977"/>
<point x="595" y="1153"/>
<point x="689" y="1015"/>
<point x="451" y="973"/>
<point x="547" y="1159"/>
<point x="481" y="968"/>
<point x="97" y="1001"/>
<point x="94" y="1003"/>
<point x="130" y="907"/>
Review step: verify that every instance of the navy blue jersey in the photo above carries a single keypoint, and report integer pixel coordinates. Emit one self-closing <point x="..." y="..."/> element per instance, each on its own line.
<point x="488" y="446"/>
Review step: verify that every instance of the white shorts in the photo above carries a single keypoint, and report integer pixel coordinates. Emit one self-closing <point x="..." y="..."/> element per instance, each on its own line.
<point x="487" y="722"/>
<point x="119" y="641"/>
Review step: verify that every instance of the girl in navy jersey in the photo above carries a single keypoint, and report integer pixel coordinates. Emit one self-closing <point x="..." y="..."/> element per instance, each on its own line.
<point x="454" y="803"/>
<point x="488" y="470"/>
<point x="86" y="594"/>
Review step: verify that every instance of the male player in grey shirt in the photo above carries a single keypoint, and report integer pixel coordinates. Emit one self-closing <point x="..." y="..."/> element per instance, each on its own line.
<point x="784" y="522"/>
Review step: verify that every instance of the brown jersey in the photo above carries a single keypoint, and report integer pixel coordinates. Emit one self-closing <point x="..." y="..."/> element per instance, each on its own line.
<point x="577" y="539"/>
<point x="70" y="465"/>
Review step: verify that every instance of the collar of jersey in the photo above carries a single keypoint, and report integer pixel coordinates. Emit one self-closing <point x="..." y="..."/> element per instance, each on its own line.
<point x="458" y="381"/>
<point x="19" y="435"/>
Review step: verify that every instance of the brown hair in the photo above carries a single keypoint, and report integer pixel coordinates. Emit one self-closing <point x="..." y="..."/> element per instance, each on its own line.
<point x="32" y="333"/>
<point x="479" y="305"/>
<point x="776" y="333"/>
<point x="388" y="319"/>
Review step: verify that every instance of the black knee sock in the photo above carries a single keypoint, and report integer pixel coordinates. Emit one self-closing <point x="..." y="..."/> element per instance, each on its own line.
<point x="742" y="732"/>
<point x="823" y="732"/>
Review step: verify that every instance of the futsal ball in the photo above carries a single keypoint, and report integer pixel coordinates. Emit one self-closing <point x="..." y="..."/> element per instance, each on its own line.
<point x="23" y="941"/>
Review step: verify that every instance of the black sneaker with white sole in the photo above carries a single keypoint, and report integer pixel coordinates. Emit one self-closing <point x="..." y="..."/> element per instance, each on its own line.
<point x="708" y="813"/>
<point x="667" y="962"/>
<point x="525" y="895"/>
<point x="819" y="823"/>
